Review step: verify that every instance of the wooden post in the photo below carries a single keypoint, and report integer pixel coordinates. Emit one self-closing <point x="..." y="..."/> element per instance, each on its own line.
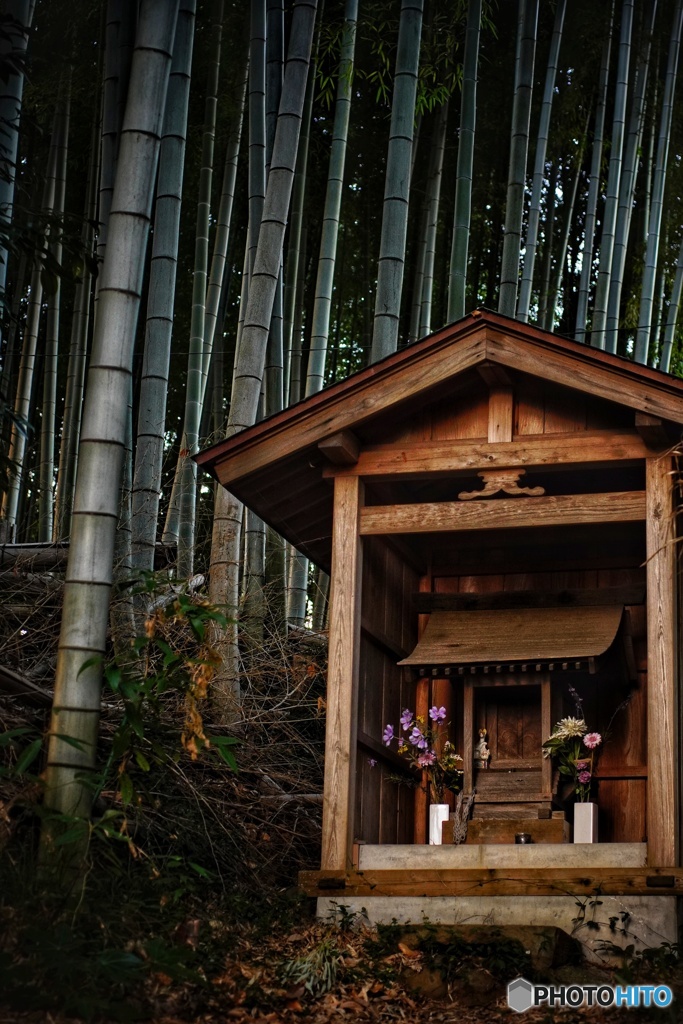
<point x="468" y="736"/>
<point x="500" y="414"/>
<point x="662" y="704"/>
<point x="342" y="676"/>
<point x="546" y="729"/>
<point x="421" y="801"/>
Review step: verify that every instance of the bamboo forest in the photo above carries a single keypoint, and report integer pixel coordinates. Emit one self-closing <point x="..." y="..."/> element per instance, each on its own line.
<point x="210" y="212"/>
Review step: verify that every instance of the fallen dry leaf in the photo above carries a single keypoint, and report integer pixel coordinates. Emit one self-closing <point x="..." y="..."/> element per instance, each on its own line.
<point x="407" y="951"/>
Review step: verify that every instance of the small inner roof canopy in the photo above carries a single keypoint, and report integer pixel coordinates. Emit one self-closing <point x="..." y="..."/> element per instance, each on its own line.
<point x="516" y="635"/>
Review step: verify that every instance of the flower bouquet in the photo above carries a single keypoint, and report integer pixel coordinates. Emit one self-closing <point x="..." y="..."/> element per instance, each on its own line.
<point x="574" y="749"/>
<point x="427" y="749"/>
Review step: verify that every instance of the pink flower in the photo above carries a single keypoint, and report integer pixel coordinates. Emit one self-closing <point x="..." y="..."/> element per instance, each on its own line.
<point x="581" y="765"/>
<point x="426" y="759"/>
<point x="592" y="740"/>
<point x="584" y="777"/>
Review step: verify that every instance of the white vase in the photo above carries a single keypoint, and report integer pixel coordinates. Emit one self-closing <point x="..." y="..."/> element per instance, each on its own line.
<point x="438" y="813"/>
<point x="585" y="823"/>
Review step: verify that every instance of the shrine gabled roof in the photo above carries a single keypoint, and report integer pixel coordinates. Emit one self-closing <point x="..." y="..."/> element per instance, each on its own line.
<point x="274" y="467"/>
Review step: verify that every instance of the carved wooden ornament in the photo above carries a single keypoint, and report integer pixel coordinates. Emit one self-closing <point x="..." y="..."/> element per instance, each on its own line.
<point x="499" y="480"/>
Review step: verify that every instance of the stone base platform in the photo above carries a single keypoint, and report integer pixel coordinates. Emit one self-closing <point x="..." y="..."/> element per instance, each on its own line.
<point x="621" y="920"/>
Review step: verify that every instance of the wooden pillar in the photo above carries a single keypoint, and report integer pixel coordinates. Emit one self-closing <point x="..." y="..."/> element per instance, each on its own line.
<point x="662" y="702"/>
<point x="342" y="676"/>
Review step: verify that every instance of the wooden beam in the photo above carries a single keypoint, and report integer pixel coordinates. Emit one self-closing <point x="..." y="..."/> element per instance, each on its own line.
<point x="614" y="379"/>
<point x="500" y="415"/>
<point x="504" y="513"/>
<point x="413" y="460"/>
<point x="342" y="448"/>
<point x="569" y="598"/>
<point x="662" y="707"/>
<point x="342" y="677"/>
<point x="652" y="431"/>
<point x="496" y="882"/>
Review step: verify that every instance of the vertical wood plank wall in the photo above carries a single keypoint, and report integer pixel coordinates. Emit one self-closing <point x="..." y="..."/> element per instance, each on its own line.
<point x="342" y="677"/>
<point x="662" y="832"/>
<point x="383" y="811"/>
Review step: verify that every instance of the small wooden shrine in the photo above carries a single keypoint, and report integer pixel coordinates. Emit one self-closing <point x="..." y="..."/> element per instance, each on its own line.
<point x="496" y="508"/>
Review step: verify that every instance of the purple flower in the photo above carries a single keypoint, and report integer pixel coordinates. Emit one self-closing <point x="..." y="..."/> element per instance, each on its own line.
<point x="581" y="765"/>
<point x="426" y="759"/>
<point x="406" y="719"/>
<point x="437" y="714"/>
<point x="372" y="762"/>
<point x="417" y="739"/>
<point x="584" y="778"/>
<point x="592" y="740"/>
<point x="388" y="735"/>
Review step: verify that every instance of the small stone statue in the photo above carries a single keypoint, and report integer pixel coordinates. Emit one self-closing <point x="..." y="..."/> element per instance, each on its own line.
<point x="482" y="754"/>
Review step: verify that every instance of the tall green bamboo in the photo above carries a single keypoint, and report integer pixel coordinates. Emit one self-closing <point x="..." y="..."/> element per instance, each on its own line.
<point x="519" y="144"/>
<point x="672" y="315"/>
<point x="320" y="329"/>
<point x="433" y="198"/>
<point x="392" y="253"/>
<point x="555" y="286"/>
<point x="273" y="374"/>
<point x="593" y="187"/>
<point x="199" y="355"/>
<point x="78" y="346"/>
<point x="250" y="359"/>
<point x="655" y="220"/>
<point x="295" y="259"/>
<point x="627" y="186"/>
<point x="215" y="287"/>
<point x="151" y="423"/>
<point x="252" y="598"/>
<point x="47" y="432"/>
<point x="88" y="577"/>
<point x="13" y="45"/>
<point x="463" y="184"/>
<point x="613" y="180"/>
<point x="23" y="401"/>
<point x="531" y="240"/>
<point x="297" y="584"/>
<point x="110" y="122"/>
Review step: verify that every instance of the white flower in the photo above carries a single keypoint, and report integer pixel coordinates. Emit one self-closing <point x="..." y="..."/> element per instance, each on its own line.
<point x="568" y="727"/>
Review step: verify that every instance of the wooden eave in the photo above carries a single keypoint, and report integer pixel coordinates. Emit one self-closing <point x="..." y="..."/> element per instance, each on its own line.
<point x="513" y="635"/>
<point x="275" y="467"/>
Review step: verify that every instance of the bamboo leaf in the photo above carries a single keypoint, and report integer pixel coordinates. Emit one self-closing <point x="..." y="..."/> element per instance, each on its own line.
<point x="126" y="789"/>
<point x="200" y="870"/>
<point x="28" y="756"/>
